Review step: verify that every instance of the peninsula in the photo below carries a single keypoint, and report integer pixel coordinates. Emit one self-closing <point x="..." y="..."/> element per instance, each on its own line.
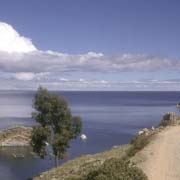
<point x="15" y="136"/>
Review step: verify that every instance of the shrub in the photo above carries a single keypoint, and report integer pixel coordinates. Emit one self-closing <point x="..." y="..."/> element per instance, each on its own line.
<point x="165" y="121"/>
<point x="138" y="143"/>
<point x="116" y="169"/>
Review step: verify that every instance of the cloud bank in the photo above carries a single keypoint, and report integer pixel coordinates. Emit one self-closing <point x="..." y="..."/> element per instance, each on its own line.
<point x="49" y="61"/>
<point x="20" y="60"/>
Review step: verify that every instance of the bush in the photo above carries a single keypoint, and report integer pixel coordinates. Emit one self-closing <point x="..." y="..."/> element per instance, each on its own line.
<point x="165" y="121"/>
<point x="116" y="169"/>
<point x="138" y="143"/>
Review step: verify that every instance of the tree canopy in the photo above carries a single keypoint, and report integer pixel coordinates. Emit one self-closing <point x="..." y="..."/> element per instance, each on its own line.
<point x="55" y="124"/>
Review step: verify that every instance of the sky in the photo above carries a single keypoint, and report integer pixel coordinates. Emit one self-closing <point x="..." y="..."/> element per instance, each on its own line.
<point x="116" y="45"/>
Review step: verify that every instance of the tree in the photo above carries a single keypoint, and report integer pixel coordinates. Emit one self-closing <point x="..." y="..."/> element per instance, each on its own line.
<point x="56" y="125"/>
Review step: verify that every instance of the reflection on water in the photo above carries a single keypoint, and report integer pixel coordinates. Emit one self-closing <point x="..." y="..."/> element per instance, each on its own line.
<point x="11" y="165"/>
<point x="7" y="153"/>
<point x="19" y="163"/>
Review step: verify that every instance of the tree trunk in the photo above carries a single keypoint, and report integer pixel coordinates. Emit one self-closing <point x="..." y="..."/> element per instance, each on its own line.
<point x="56" y="161"/>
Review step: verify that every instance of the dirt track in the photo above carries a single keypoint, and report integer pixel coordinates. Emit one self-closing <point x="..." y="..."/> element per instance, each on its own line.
<point x="160" y="160"/>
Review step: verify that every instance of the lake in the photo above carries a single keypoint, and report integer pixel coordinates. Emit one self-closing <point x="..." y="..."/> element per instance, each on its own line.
<point x="109" y="118"/>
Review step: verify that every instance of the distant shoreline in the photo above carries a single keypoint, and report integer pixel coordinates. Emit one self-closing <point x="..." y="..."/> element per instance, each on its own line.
<point x="34" y="91"/>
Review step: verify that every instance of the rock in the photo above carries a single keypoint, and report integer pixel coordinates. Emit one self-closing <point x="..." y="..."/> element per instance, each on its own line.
<point x="83" y="137"/>
<point x="170" y="118"/>
<point x="178" y="105"/>
<point x="18" y="155"/>
<point x="145" y="130"/>
<point x="140" y="132"/>
<point x="53" y="178"/>
<point x="41" y="176"/>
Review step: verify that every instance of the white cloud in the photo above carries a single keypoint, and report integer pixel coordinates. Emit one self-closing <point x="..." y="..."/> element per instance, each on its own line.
<point x="21" y="61"/>
<point x="25" y="76"/>
<point x="11" y="41"/>
<point x="18" y="54"/>
<point x="40" y="61"/>
<point x="54" y="82"/>
<point x="81" y="80"/>
<point x="64" y="79"/>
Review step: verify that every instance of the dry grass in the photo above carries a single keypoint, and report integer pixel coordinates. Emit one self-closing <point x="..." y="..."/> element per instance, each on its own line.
<point x="82" y="165"/>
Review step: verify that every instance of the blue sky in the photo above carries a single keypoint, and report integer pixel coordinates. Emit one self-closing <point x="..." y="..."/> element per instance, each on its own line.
<point x="90" y="44"/>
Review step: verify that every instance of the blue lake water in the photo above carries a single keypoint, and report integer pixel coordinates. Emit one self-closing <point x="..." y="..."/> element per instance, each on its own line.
<point x="109" y="118"/>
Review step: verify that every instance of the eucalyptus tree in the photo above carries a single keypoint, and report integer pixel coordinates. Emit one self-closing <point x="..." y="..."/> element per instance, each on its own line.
<point x="55" y="125"/>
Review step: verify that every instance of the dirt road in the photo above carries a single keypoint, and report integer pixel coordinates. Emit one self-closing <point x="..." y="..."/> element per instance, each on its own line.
<point x="160" y="160"/>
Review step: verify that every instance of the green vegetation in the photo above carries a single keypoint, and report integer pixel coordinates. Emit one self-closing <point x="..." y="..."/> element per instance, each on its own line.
<point x="166" y="120"/>
<point x="81" y="166"/>
<point x="116" y="169"/>
<point x="109" y="165"/>
<point x="120" y="168"/>
<point x="113" y="169"/>
<point x="57" y="127"/>
<point x="138" y="143"/>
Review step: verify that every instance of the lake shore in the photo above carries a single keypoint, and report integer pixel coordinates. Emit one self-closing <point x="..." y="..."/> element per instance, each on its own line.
<point x="80" y="166"/>
<point x="155" y="151"/>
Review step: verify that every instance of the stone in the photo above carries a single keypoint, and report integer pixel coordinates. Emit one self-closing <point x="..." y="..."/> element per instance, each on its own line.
<point x="140" y="132"/>
<point x="83" y="137"/>
<point x="170" y="118"/>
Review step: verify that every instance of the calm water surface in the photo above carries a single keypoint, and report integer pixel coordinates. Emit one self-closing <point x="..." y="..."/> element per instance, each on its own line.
<point x="110" y="118"/>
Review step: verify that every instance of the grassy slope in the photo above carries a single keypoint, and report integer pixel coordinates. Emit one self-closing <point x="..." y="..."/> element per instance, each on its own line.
<point x="82" y="165"/>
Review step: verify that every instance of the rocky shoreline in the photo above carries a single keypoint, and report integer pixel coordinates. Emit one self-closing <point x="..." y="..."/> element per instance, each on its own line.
<point x="15" y="136"/>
